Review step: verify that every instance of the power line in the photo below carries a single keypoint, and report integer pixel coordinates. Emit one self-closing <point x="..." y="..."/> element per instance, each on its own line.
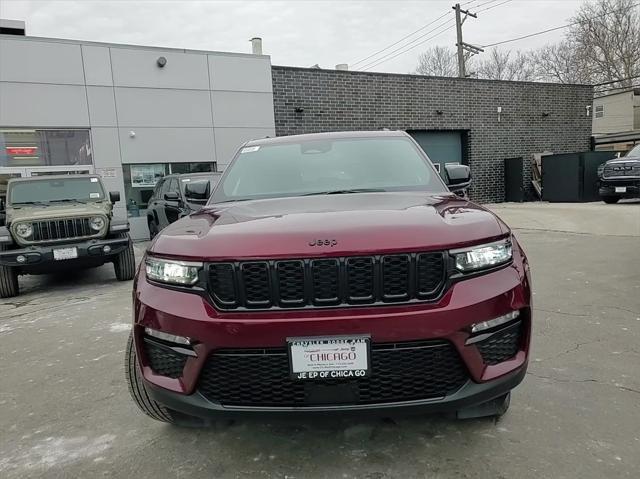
<point x="448" y="12"/>
<point x="617" y="81"/>
<point x="555" y="28"/>
<point x="402" y="39"/>
<point x="391" y="55"/>
<point x="629" y="87"/>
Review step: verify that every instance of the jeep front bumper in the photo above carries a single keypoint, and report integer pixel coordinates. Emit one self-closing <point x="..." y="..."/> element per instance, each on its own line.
<point x="36" y="255"/>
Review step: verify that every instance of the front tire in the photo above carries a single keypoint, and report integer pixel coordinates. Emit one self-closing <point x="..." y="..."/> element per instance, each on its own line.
<point x="9" y="286"/>
<point x="125" y="263"/>
<point x="610" y="200"/>
<point x="137" y="389"/>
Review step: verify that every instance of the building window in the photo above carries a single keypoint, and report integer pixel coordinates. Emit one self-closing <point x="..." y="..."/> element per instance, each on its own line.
<point x="599" y="111"/>
<point x="141" y="179"/>
<point x="22" y="147"/>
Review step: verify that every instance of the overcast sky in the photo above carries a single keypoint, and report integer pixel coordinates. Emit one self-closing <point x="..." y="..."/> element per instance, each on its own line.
<point x="294" y="32"/>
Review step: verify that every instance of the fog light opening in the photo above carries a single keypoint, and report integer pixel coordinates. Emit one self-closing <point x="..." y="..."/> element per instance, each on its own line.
<point x="21" y="259"/>
<point x="171" y="338"/>
<point x="492" y="323"/>
<point x="106" y="249"/>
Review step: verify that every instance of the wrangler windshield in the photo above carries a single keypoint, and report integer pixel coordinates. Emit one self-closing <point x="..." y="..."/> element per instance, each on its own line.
<point x="55" y="190"/>
<point x="327" y="166"/>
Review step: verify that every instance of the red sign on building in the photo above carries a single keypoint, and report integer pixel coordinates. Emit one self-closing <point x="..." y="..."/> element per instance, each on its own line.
<point x="22" y="150"/>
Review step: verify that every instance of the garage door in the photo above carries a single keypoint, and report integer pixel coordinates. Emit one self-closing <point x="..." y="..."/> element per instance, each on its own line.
<point x="441" y="146"/>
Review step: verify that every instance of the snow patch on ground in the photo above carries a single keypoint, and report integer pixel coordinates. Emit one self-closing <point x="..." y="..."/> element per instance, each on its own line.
<point x="57" y="451"/>
<point x="119" y="327"/>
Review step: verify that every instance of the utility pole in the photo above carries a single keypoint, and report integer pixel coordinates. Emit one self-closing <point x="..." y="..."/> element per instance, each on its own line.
<point x="462" y="46"/>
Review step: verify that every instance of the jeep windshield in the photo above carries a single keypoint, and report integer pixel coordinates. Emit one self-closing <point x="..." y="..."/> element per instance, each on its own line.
<point x="58" y="190"/>
<point x="331" y="166"/>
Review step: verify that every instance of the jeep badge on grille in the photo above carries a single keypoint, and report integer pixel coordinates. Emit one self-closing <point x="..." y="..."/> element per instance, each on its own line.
<point x="323" y="242"/>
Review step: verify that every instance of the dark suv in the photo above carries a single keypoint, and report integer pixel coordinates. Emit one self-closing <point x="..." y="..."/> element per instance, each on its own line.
<point x="331" y="272"/>
<point x="176" y="196"/>
<point x="620" y="178"/>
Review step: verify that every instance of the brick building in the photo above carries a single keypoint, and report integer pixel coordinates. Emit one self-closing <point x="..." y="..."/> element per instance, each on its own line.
<point x="455" y="120"/>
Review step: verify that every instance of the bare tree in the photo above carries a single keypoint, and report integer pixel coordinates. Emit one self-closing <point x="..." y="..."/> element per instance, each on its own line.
<point x="437" y="61"/>
<point x="506" y="65"/>
<point x="561" y="63"/>
<point x="606" y="40"/>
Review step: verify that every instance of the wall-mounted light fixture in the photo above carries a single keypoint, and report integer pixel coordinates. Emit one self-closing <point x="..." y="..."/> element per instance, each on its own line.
<point x="439" y="112"/>
<point x="298" y="109"/>
<point x="499" y="113"/>
<point x="545" y="114"/>
<point x="161" y="61"/>
<point x="132" y="134"/>
<point x="588" y="107"/>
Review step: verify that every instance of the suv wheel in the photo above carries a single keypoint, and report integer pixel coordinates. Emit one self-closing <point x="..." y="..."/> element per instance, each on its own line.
<point x="8" y="280"/>
<point x="610" y="199"/>
<point x="137" y="390"/>
<point x="145" y="403"/>
<point x="125" y="262"/>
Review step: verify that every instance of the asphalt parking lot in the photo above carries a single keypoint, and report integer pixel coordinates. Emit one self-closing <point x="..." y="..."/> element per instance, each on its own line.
<point x="65" y="410"/>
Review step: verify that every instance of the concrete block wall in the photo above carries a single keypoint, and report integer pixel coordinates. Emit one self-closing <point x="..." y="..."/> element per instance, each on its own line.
<point x="535" y="117"/>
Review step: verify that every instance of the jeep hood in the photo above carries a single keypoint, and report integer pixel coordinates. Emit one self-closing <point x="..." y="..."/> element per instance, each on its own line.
<point x="56" y="210"/>
<point x="362" y="223"/>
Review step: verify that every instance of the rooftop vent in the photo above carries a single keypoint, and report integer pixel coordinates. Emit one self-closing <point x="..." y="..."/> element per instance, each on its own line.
<point x="256" y="45"/>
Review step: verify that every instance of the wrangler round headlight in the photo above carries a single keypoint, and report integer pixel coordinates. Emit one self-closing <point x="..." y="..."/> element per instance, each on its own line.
<point x="483" y="256"/>
<point x="172" y="272"/>
<point x="97" y="223"/>
<point x="24" y="230"/>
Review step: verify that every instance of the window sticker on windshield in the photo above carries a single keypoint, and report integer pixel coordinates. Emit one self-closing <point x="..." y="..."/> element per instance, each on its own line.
<point x="94" y="180"/>
<point x="94" y="195"/>
<point x="250" y="149"/>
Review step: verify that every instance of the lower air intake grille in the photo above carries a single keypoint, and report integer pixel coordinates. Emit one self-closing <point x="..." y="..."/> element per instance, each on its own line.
<point x="399" y="372"/>
<point x="502" y="345"/>
<point x="163" y="360"/>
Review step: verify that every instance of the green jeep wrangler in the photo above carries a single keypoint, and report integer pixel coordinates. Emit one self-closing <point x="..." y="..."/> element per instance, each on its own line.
<point x="55" y="223"/>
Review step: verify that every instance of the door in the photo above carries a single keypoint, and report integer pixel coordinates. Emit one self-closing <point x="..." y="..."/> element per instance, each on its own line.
<point x="442" y="147"/>
<point x="514" y="179"/>
<point x="5" y="175"/>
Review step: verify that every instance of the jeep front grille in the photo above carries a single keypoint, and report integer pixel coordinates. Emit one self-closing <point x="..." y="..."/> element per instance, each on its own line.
<point x="61" y="229"/>
<point x="300" y="283"/>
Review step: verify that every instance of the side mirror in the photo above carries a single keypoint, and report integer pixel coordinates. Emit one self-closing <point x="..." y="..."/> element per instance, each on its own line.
<point x="458" y="177"/>
<point x="171" y="196"/>
<point x="114" y="196"/>
<point x="198" y="191"/>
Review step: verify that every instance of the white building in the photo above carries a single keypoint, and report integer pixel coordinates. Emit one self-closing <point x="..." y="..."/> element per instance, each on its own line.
<point x="130" y="113"/>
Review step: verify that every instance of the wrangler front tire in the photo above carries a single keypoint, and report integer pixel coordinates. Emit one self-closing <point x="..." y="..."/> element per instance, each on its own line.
<point x="125" y="263"/>
<point x="9" y="286"/>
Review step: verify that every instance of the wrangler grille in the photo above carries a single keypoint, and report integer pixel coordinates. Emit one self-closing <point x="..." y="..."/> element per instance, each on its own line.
<point x="297" y="283"/>
<point x="62" y="229"/>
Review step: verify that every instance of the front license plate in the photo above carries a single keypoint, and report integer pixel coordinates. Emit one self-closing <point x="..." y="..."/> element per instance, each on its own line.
<point x="61" y="254"/>
<point x="621" y="189"/>
<point x="331" y="357"/>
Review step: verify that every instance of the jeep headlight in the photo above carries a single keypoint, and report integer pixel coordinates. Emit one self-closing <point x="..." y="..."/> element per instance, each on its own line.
<point x="96" y="223"/>
<point x="482" y="256"/>
<point x="172" y="272"/>
<point x="24" y="230"/>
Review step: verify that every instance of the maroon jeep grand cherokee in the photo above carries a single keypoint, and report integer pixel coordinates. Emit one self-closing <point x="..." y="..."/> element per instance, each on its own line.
<point x="331" y="272"/>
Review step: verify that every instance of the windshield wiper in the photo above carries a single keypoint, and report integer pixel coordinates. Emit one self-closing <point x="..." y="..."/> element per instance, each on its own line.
<point x="40" y="203"/>
<point x="346" y="192"/>
<point x="64" y="200"/>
